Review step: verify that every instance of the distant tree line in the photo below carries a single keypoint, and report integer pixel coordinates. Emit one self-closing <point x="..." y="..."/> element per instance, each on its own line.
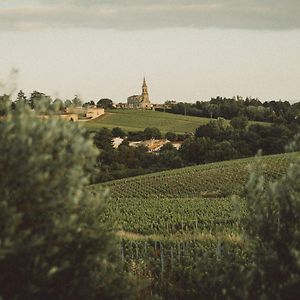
<point x="229" y="108"/>
<point x="38" y="99"/>
<point x="214" y="141"/>
<point x="127" y="161"/>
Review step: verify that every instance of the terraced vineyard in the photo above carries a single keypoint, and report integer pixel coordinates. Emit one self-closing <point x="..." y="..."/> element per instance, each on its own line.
<point x="170" y="216"/>
<point x="207" y="181"/>
<point x="168" y="222"/>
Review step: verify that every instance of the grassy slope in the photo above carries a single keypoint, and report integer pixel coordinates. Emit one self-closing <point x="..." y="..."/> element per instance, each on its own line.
<point x="136" y="120"/>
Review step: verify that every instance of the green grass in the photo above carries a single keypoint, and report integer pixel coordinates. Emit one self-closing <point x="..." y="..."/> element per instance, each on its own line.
<point x="138" y="120"/>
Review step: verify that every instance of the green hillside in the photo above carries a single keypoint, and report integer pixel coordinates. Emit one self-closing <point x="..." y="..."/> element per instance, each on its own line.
<point x="210" y="180"/>
<point x="188" y="200"/>
<point x="169" y="221"/>
<point x="138" y="120"/>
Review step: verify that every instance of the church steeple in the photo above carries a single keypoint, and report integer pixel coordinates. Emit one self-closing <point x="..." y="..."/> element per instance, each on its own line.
<point x="144" y="87"/>
<point x="144" y="82"/>
<point x="145" y="95"/>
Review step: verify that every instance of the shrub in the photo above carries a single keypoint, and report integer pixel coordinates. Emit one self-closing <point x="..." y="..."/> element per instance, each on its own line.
<point x="52" y="244"/>
<point x="273" y="228"/>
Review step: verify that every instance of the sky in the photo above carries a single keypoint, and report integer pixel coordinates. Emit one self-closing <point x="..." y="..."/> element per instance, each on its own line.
<point x="188" y="50"/>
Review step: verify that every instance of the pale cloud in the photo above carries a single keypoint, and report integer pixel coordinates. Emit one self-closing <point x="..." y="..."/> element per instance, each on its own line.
<point x="145" y="14"/>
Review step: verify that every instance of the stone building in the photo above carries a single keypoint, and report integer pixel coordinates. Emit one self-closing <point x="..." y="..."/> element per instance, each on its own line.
<point x="140" y="101"/>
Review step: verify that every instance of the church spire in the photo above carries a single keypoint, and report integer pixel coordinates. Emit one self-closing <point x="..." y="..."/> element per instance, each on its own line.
<point x="144" y="82"/>
<point x="144" y="88"/>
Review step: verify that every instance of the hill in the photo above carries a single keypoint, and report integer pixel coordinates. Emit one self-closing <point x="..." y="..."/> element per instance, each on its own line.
<point x="175" y="221"/>
<point x="138" y="120"/>
<point x="217" y="179"/>
<point x="186" y="200"/>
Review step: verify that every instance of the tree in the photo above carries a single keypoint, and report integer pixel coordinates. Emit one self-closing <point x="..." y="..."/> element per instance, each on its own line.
<point x="90" y="103"/>
<point x="53" y="244"/>
<point x="118" y="132"/>
<point x="239" y="123"/>
<point x="167" y="147"/>
<point x="68" y="103"/>
<point x="196" y="150"/>
<point x="38" y="100"/>
<point x="105" y="103"/>
<point x="272" y="226"/>
<point x="58" y="105"/>
<point x="152" y="133"/>
<point x="171" y="136"/>
<point x="213" y="130"/>
<point x="5" y="104"/>
<point x="103" y="139"/>
<point x="21" y="98"/>
<point x="77" y="102"/>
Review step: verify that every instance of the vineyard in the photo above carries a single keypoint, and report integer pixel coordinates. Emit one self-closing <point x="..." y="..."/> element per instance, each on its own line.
<point x="170" y="221"/>
<point x="213" y="180"/>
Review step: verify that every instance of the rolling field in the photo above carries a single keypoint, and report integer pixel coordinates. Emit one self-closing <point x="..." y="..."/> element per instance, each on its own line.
<point x="168" y="222"/>
<point x="138" y="120"/>
<point x="207" y="181"/>
<point x="192" y="199"/>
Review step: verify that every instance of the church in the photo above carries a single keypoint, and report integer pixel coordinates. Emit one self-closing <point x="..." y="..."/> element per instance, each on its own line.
<point x="140" y="101"/>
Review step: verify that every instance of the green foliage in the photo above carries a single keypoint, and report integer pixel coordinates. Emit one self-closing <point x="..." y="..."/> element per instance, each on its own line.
<point x="209" y="180"/>
<point x="171" y="136"/>
<point x="76" y="102"/>
<point x="182" y="229"/>
<point x="239" y="123"/>
<point x="103" y="139"/>
<point x="105" y="103"/>
<point x="164" y="215"/>
<point x="118" y="132"/>
<point x="152" y="133"/>
<point x="21" y="99"/>
<point x="215" y="129"/>
<point x="273" y="227"/>
<point x="167" y="147"/>
<point x="4" y="105"/>
<point x="196" y="150"/>
<point x="39" y="101"/>
<point x="58" y="105"/>
<point x="53" y="244"/>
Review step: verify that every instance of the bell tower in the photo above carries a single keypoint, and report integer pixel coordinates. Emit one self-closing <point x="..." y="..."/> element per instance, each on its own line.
<point x="144" y="87"/>
<point x="145" y="95"/>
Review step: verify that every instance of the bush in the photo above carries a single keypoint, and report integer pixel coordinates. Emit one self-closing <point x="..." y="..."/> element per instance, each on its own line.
<point x="273" y="228"/>
<point x="171" y="136"/>
<point x="52" y="244"/>
<point x="118" y="132"/>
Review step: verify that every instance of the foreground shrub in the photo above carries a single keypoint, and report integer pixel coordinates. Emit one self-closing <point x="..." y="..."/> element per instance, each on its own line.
<point x="273" y="229"/>
<point x="52" y="245"/>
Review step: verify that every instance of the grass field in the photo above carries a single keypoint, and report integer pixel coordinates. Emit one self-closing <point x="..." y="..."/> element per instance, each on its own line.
<point x="138" y="120"/>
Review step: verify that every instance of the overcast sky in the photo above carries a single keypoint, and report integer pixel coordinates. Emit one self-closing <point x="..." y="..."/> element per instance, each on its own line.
<point x="188" y="49"/>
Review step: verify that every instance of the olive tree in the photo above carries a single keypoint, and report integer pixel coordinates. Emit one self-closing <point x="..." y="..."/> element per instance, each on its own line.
<point x="53" y="244"/>
<point x="273" y="229"/>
